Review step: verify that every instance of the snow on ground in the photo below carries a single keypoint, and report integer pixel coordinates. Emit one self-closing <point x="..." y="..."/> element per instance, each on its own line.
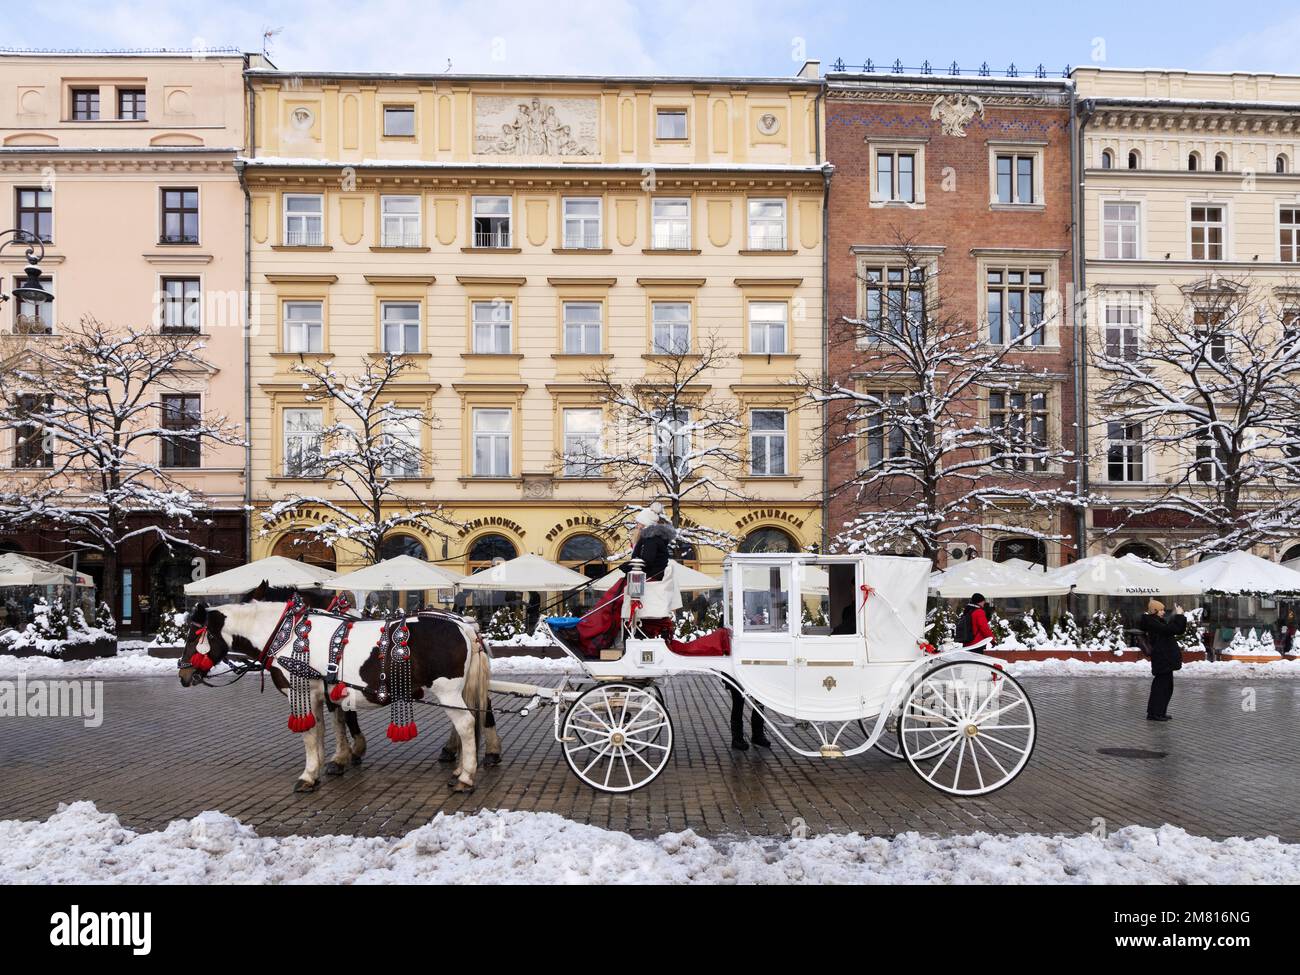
<point x="1279" y="668"/>
<point x="80" y="844"/>
<point x="132" y="660"/>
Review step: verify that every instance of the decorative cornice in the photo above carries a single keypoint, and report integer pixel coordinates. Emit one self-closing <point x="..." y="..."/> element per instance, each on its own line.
<point x="400" y="279"/>
<point x="881" y="91"/>
<point x="286" y="278"/>
<point x="1197" y="121"/>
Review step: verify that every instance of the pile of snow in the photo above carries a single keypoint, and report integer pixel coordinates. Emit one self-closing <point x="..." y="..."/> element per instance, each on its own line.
<point x="528" y="664"/>
<point x="133" y="661"/>
<point x="1278" y="668"/>
<point x="80" y="844"/>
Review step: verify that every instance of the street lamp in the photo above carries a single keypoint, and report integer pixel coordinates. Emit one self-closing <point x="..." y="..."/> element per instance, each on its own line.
<point x="30" y="290"/>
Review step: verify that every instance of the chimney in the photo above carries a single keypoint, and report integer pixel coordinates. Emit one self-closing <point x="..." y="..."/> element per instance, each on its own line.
<point x="811" y="70"/>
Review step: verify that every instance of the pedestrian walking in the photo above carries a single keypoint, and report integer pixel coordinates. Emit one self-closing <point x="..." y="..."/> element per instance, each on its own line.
<point x="973" y="630"/>
<point x="1166" y="656"/>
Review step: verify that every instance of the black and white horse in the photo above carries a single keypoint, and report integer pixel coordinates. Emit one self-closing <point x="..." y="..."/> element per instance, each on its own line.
<point x="449" y="666"/>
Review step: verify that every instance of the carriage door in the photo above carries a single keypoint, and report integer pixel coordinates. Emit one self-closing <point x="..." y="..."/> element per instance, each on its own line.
<point x="764" y="646"/>
<point x="830" y="656"/>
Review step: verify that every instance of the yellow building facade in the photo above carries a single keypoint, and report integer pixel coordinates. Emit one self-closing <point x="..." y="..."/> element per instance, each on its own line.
<point x="512" y="236"/>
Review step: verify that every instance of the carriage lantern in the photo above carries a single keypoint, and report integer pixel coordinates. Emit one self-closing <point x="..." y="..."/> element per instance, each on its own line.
<point x="635" y="579"/>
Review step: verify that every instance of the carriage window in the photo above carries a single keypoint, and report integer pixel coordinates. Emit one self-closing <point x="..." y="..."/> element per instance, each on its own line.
<point x="766" y="598"/>
<point x="827" y="590"/>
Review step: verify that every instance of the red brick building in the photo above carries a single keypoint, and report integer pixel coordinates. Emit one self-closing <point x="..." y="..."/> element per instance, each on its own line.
<point x="962" y="185"/>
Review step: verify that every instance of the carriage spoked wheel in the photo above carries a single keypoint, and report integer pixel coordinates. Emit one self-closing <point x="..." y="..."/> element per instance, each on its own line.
<point x="617" y="738"/>
<point x="888" y="740"/>
<point x="967" y="728"/>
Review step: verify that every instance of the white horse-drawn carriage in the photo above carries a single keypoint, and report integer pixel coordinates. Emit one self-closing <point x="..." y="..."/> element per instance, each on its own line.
<point x="833" y="649"/>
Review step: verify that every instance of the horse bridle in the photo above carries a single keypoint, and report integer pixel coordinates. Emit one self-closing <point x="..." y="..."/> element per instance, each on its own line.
<point x="240" y="668"/>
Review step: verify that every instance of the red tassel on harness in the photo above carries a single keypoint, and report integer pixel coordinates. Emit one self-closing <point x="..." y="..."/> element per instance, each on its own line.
<point x="201" y="661"/>
<point x="299" y="723"/>
<point x="337" y="692"/>
<point x="402" y="732"/>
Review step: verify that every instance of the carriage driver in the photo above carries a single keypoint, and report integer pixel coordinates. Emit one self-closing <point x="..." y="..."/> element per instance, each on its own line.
<point x="652" y="539"/>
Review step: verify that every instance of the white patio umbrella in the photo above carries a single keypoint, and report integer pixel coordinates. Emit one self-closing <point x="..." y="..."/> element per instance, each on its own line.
<point x="688" y="579"/>
<point x="527" y="573"/>
<point x="275" y="570"/>
<point x="17" y="569"/>
<point x="1239" y="572"/>
<point x="996" y="580"/>
<point x="1105" y="575"/>
<point x="1026" y="565"/>
<point x="402" y="573"/>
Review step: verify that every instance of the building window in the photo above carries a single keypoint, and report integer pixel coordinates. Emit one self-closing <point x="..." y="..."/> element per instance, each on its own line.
<point x="1020" y="422"/>
<point x="767" y="327"/>
<point x="492" y="443"/>
<point x="895" y="300"/>
<point x="399" y="120"/>
<point x="33" y="444"/>
<point x="1015" y="178"/>
<point x="1281" y="164"/>
<point x="85" y="104"/>
<point x="304" y="326"/>
<point x="181" y="305"/>
<point x="672" y="442"/>
<point x="1207" y="233"/>
<point x="401" y="321"/>
<point x="488" y="550"/>
<point x="1134" y="159"/>
<point x="1119" y="231"/>
<point x="399" y="221"/>
<point x="491" y="221"/>
<point x="303" y="437"/>
<point x="130" y="104"/>
<point x="1211" y="457"/>
<point x="767" y="225"/>
<point x="582" y="429"/>
<point x="896" y="176"/>
<point x="1123" y="452"/>
<point x="886" y="438"/>
<point x="672" y="327"/>
<point x="31" y="318"/>
<point x="401" y="446"/>
<point x="180" y="216"/>
<point x="767" y="443"/>
<point x="585" y="554"/>
<point x="670" y="224"/>
<point x="1123" y="329"/>
<point x="582" y="223"/>
<point x="36" y="213"/>
<point x="492" y="327"/>
<point x="1208" y="325"/>
<point x="304" y="220"/>
<point x="1107" y="159"/>
<point x="1289" y="234"/>
<point x="1016" y="305"/>
<point x="1193" y="161"/>
<point x="1220" y="162"/>
<point x="670" y="123"/>
<point x="180" y="413"/>
<point x="582" y="325"/>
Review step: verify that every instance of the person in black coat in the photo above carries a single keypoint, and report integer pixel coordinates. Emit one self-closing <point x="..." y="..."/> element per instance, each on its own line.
<point x="1166" y="656"/>
<point x="652" y="543"/>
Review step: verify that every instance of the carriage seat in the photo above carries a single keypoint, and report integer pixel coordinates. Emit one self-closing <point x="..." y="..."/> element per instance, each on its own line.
<point x="714" y="644"/>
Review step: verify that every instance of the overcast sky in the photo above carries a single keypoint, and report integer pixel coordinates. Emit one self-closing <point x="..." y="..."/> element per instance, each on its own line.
<point x="679" y="36"/>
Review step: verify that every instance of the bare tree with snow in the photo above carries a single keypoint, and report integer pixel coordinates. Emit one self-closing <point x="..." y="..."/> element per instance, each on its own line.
<point x="103" y="429"/>
<point x="667" y="438"/>
<point x="1200" y="405"/>
<point x="372" y="450"/>
<point x="948" y="429"/>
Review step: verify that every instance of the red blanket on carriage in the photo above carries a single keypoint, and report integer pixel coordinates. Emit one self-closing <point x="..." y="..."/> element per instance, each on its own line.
<point x="598" y="630"/>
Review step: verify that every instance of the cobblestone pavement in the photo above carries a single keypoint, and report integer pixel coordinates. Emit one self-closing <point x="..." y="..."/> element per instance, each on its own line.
<point x="164" y="752"/>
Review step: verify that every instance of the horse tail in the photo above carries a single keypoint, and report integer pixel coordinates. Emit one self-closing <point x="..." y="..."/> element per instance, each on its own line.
<point x="477" y="677"/>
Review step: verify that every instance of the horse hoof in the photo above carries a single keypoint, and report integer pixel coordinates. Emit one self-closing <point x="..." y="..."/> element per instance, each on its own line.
<point x="356" y="760"/>
<point x="459" y="786"/>
<point x="492" y="758"/>
<point x="302" y="785"/>
<point x="333" y="768"/>
<point x="446" y="756"/>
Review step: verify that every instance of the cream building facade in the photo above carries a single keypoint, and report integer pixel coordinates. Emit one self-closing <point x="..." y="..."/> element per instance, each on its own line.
<point x="124" y="164"/>
<point x="511" y="236"/>
<point x="1189" y="181"/>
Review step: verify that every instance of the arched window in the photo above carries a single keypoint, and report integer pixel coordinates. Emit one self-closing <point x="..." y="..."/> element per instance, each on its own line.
<point x="586" y="554"/>
<point x="685" y="553"/>
<point x="1134" y="160"/>
<point x="1107" y="159"/>
<point x="768" y="540"/>
<point x="1281" y="164"/>
<point x="1292" y="553"/>
<point x="301" y="547"/>
<point x="1220" y="162"/>
<point x="1193" y="161"/>
<point x="1033" y="550"/>
<point x="487" y="549"/>
<point x="1140" y="549"/>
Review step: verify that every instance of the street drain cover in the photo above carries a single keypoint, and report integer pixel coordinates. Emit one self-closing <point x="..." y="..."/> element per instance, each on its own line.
<point x="1130" y="753"/>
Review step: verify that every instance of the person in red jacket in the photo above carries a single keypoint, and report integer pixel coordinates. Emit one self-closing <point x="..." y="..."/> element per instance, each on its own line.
<point x="974" y="630"/>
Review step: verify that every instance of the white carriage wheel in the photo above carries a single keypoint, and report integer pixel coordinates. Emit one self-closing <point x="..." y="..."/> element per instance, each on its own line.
<point x="888" y="740"/>
<point x="967" y="728"/>
<point x="617" y="738"/>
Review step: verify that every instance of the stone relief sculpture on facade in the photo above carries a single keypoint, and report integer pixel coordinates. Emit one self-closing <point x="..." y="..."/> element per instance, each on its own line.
<point x="504" y="126"/>
<point x="955" y="112"/>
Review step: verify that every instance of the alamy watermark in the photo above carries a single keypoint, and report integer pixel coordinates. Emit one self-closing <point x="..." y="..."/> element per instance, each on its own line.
<point x="23" y="698"/>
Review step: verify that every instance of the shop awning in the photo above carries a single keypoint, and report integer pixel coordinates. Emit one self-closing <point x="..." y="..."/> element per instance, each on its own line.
<point x="995" y="580"/>
<point x="275" y="571"/>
